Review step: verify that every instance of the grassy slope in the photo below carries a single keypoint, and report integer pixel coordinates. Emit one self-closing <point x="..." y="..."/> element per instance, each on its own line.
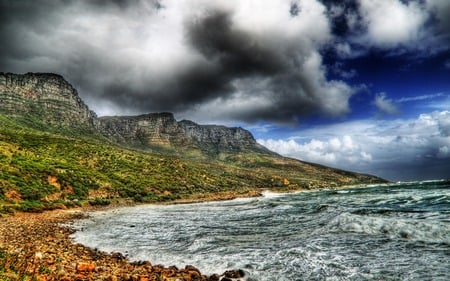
<point x="41" y="170"/>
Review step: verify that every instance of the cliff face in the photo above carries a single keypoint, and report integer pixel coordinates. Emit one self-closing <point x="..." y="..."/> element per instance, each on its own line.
<point x="49" y="100"/>
<point x="215" y="138"/>
<point x="163" y="130"/>
<point x="155" y="129"/>
<point x="46" y="97"/>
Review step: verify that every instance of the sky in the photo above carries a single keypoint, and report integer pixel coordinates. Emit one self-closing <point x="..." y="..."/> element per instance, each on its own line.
<point x="361" y="85"/>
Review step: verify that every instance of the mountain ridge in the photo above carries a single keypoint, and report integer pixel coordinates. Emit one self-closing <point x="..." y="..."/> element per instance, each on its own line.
<point x="35" y="92"/>
<point x="48" y="94"/>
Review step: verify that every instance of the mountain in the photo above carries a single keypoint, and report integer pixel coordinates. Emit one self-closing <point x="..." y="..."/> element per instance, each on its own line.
<point x="44" y="100"/>
<point x="161" y="132"/>
<point x="48" y="102"/>
<point x="55" y="152"/>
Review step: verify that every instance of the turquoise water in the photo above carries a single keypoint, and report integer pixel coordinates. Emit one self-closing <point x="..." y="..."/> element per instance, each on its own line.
<point x="386" y="232"/>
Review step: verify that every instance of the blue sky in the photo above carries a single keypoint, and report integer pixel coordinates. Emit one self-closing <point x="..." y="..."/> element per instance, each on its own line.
<point x="362" y="85"/>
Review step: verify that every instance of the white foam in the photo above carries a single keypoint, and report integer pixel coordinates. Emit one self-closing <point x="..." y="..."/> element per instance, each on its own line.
<point x="271" y="194"/>
<point x="433" y="231"/>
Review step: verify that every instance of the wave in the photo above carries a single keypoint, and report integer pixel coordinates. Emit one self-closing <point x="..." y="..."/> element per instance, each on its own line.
<point x="430" y="231"/>
<point x="372" y="233"/>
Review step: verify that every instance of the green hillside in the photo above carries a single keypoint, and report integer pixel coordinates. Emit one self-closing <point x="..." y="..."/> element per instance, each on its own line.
<point x="42" y="170"/>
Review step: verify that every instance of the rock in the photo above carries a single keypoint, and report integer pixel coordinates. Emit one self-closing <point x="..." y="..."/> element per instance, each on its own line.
<point x="214" y="277"/>
<point x="46" y="96"/>
<point x="118" y="256"/>
<point x="235" y="274"/>
<point x="191" y="273"/>
<point x="85" y="267"/>
<point x="219" y="138"/>
<point x="144" y="131"/>
<point x="161" y="130"/>
<point x="111" y="278"/>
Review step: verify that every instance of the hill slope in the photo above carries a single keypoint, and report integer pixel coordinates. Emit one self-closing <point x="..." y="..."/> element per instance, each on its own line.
<point x="47" y="163"/>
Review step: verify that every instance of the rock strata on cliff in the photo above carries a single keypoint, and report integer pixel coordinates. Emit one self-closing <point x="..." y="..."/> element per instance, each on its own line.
<point x="215" y="138"/>
<point x="44" y="98"/>
<point x="148" y="130"/>
<point x="161" y="130"/>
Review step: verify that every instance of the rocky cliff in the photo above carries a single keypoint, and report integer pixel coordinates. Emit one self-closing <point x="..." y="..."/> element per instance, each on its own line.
<point x="161" y="130"/>
<point x="215" y="138"/>
<point x="44" y="98"/>
<point x="49" y="100"/>
<point x="148" y="130"/>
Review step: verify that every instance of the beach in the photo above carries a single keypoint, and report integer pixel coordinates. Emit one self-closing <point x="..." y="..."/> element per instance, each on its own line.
<point x="38" y="246"/>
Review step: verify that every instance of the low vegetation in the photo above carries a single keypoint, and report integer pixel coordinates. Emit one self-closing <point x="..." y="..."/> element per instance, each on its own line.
<point x="42" y="170"/>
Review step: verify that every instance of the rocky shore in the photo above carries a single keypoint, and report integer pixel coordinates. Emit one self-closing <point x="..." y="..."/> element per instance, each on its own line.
<point x="37" y="246"/>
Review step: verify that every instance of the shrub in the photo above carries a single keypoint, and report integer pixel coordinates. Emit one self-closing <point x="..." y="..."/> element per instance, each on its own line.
<point x="31" y="206"/>
<point x="99" y="202"/>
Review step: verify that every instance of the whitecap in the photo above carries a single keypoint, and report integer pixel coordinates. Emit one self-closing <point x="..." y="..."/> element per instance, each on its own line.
<point x="431" y="231"/>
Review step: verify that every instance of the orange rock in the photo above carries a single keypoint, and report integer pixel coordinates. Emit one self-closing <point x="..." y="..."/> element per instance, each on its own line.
<point x="41" y="278"/>
<point x="111" y="278"/>
<point x="85" y="267"/>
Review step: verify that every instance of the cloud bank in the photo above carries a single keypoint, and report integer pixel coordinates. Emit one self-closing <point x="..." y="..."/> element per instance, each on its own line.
<point x="250" y="60"/>
<point x="397" y="150"/>
<point x="211" y="60"/>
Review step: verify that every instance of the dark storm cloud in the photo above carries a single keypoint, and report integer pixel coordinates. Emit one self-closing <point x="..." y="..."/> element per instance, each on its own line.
<point x="137" y="56"/>
<point x="234" y="54"/>
<point x="193" y="86"/>
<point x="228" y="55"/>
<point x="235" y="51"/>
<point x="228" y="60"/>
<point x="16" y="18"/>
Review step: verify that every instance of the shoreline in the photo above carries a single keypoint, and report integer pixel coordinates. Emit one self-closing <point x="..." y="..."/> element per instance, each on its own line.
<point x="38" y="246"/>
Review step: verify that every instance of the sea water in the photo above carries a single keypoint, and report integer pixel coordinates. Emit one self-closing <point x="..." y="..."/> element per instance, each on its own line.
<point x="384" y="232"/>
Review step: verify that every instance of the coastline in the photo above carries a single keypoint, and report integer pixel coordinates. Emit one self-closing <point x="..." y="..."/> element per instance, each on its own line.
<point x="38" y="246"/>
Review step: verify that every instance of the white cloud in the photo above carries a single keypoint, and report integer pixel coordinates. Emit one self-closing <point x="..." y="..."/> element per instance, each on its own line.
<point x="444" y="152"/>
<point x="444" y="123"/>
<point x="421" y="97"/>
<point x="391" y="23"/>
<point x="385" y="105"/>
<point x="397" y="149"/>
<point x="337" y="151"/>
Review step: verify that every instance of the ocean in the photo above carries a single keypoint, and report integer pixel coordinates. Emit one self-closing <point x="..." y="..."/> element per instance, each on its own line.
<point x="381" y="232"/>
